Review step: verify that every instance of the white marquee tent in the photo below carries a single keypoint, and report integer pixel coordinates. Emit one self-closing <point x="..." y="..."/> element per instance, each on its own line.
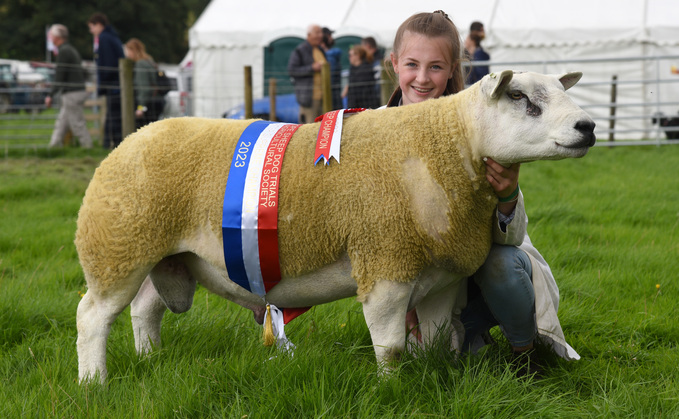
<point x="232" y="34"/>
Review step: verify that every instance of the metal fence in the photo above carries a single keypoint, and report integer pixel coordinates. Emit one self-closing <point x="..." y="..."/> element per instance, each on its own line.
<point x="629" y="98"/>
<point x="633" y="100"/>
<point x="25" y="121"/>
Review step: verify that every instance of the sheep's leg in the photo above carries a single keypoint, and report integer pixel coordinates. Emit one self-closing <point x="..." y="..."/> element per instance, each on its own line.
<point x="94" y="326"/>
<point x="169" y="285"/>
<point x="147" y="310"/>
<point x="385" y="311"/>
<point x="97" y="311"/>
<point x="439" y="312"/>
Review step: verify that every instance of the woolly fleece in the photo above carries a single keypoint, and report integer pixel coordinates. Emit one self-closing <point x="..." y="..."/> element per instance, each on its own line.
<point x="407" y="195"/>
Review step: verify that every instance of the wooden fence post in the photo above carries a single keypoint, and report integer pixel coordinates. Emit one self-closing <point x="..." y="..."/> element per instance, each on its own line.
<point x="126" y="71"/>
<point x="614" y="98"/>
<point x="326" y="87"/>
<point x="248" y="91"/>
<point x="272" y="99"/>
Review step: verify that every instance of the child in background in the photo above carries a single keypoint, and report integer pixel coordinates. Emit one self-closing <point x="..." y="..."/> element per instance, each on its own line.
<point x="361" y="91"/>
<point x="426" y="58"/>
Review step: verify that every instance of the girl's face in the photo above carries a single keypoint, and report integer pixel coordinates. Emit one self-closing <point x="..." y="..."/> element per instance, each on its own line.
<point x="354" y="58"/>
<point x="423" y="65"/>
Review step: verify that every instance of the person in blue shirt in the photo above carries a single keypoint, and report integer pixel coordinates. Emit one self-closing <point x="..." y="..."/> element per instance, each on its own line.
<point x="108" y="49"/>
<point x="475" y="52"/>
<point x="334" y="57"/>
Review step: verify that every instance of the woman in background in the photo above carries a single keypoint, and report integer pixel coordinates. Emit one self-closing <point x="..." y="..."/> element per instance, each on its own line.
<point x="149" y="103"/>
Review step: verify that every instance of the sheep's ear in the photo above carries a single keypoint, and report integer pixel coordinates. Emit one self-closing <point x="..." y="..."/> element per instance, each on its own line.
<point x="497" y="82"/>
<point x="568" y="80"/>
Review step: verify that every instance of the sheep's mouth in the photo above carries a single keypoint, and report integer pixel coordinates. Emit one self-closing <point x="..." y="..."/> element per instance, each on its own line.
<point x="585" y="142"/>
<point x="575" y="150"/>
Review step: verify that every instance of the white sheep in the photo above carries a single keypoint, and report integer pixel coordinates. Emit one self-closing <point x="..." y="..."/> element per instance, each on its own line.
<point x="399" y="222"/>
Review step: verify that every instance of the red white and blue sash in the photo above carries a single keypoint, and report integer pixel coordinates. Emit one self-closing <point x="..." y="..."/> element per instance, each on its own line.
<point x="250" y="211"/>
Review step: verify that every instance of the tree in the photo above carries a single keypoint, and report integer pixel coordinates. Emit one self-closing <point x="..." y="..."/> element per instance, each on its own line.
<point x="162" y="26"/>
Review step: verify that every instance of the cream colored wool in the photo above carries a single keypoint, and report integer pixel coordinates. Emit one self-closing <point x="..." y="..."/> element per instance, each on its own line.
<point x="399" y="223"/>
<point x="166" y="182"/>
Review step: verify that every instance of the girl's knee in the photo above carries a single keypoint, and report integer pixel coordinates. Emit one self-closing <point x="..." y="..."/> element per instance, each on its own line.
<point x="504" y="265"/>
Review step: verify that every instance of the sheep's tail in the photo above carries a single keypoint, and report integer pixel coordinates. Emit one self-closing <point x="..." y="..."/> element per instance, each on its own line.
<point x="268" y="336"/>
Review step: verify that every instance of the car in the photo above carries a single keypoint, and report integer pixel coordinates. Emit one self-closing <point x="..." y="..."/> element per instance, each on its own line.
<point x="287" y="109"/>
<point x="22" y="86"/>
<point x="178" y="101"/>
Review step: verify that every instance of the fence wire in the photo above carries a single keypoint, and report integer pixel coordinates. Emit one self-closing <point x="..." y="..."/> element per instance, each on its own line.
<point x="628" y="119"/>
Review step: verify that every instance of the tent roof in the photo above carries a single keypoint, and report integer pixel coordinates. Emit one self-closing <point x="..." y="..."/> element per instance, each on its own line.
<point x="509" y="23"/>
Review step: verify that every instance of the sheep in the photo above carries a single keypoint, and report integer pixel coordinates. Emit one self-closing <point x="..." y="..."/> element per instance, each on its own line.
<point x="398" y="223"/>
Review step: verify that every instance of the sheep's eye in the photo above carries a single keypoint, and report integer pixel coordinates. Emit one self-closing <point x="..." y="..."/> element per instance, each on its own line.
<point x="515" y="95"/>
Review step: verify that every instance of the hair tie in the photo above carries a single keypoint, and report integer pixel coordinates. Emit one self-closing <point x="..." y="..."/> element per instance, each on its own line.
<point x="443" y="13"/>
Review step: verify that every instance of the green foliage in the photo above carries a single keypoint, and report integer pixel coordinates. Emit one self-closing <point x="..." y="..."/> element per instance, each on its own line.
<point x="607" y="224"/>
<point x="162" y="26"/>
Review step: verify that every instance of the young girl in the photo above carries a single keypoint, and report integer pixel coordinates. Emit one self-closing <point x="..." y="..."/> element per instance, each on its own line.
<point x="361" y="91"/>
<point x="426" y="58"/>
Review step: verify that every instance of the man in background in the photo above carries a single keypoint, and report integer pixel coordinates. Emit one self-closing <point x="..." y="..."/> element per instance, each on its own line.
<point x="69" y="82"/>
<point x="304" y="66"/>
<point x="475" y="52"/>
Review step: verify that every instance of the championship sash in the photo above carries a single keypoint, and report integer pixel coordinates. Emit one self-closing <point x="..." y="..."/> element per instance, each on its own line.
<point x="250" y="211"/>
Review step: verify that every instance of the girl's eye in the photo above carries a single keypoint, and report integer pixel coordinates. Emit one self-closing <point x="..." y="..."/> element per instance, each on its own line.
<point x="515" y="95"/>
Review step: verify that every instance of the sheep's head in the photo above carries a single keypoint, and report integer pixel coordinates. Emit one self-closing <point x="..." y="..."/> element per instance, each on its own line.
<point x="529" y="116"/>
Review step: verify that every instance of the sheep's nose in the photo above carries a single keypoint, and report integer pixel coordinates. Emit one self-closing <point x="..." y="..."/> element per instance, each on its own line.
<point x="586" y="128"/>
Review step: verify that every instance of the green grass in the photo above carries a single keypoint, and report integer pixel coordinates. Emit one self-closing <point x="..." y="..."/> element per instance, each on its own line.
<point x="27" y="133"/>
<point x="607" y="224"/>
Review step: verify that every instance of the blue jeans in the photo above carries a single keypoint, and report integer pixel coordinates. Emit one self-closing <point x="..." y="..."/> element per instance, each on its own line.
<point x="501" y="293"/>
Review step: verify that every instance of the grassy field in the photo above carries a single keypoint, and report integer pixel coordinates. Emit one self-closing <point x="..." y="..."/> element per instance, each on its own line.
<point x="27" y="133"/>
<point x="607" y="223"/>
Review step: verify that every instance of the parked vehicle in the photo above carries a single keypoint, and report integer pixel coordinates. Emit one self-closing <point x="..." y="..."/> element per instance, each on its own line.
<point x="178" y="101"/>
<point x="22" y="86"/>
<point x="287" y="109"/>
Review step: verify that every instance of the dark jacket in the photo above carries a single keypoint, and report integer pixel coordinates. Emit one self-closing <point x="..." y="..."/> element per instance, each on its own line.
<point x="477" y="72"/>
<point x="362" y="91"/>
<point x="106" y="55"/>
<point x="145" y="82"/>
<point x="299" y="68"/>
<point x="69" y="75"/>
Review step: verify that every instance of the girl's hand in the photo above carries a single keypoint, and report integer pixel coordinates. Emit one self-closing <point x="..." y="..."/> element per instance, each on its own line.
<point x="504" y="181"/>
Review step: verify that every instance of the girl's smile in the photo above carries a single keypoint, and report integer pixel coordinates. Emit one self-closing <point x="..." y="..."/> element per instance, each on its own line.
<point x="424" y="66"/>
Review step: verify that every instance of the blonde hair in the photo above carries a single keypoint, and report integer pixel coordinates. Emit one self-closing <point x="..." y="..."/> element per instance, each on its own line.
<point x="138" y="49"/>
<point x="434" y="25"/>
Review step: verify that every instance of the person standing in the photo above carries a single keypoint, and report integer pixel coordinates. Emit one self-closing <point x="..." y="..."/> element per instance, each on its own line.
<point x="334" y="57"/>
<point x="69" y="82"/>
<point x="148" y="101"/>
<point x="108" y="49"/>
<point x="360" y="91"/>
<point x="304" y="66"/>
<point x="475" y="52"/>
<point x="370" y="45"/>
